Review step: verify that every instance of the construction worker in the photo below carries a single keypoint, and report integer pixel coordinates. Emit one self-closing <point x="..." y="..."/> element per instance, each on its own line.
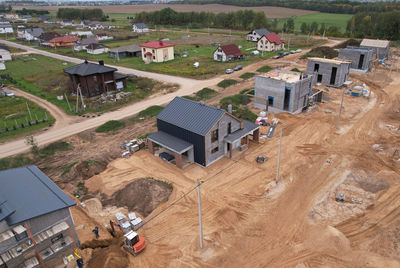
<point x="79" y="262"/>
<point x="96" y="231"/>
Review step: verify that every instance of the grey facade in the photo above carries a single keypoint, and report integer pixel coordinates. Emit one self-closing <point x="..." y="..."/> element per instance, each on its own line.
<point x="282" y="91"/>
<point x="199" y="133"/>
<point x="329" y="72"/>
<point x="361" y="58"/>
<point x="380" y="47"/>
<point x="36" y="226"/>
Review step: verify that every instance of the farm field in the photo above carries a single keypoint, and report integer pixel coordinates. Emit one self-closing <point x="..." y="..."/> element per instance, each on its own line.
<point x="14" y="111"/>
<point x="270" y="12"/>
<point x="339" y="20"/>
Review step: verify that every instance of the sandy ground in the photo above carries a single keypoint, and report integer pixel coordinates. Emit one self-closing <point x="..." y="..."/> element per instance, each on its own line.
<point x="270" y="12"/>
<point x="250" y="221"/>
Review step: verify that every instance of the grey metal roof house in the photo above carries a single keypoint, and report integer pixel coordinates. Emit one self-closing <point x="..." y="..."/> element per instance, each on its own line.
<point x="381" y="47"/>
<point x="256" y="34"/>
<point x="361" y="58"/>
<point x="330" y="72"/>
<point x="280" y="90"/>
<point x="36" y="226"/>
<point x="127" y="51"/>
<point x="140" y="27"/>
<point x="196" y="132"/>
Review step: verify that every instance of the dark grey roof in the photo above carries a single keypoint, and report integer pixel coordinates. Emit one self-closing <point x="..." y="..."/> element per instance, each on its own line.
<point x="35" y="32"/>
<point x="5" y="209"/>
<point x="87" y="41"/>
<point x="190" y="115"/>
<point x="170" y="142"/>
<point x="5" y="26"/>
<point x="4" y="47"/>
<point x="141" y="25"/>
<point x="261" y="32"/>
<point x="131" y="48"/>
<point x="118" y="76"/>
<point x="248" y="127"/>
<point x="88" y="68"/>
<point x="31" y="194"/>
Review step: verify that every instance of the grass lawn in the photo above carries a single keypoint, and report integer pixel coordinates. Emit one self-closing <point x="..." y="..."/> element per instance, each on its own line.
<point x="14" y="110"/>
<point x="339" y="20"/>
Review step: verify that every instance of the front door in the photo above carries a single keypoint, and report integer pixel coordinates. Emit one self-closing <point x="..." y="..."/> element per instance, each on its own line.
<point x="286" y="100"/>
<point x="361" y="62"/>
<point x="333" y="75"/>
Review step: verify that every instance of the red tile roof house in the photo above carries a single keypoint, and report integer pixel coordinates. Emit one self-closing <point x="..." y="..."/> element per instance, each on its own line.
<point x="229" y="52"/>
<point x="270" y="42"/>
<point x="63" y="41"/>
<point x="157" y="51"/>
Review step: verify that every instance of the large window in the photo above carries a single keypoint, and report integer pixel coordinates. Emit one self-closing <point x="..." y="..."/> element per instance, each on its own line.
<point x="214" y="135"/>
<point x="213" y="151"/>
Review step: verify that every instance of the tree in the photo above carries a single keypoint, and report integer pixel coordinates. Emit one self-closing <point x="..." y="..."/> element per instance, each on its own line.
<point x="322" y="29"/>
<point x="31" y="141"/>
<point x="290" y="25"/>
<point x="260" y="20"/>
<point x="304" y="28"/>
<point x="314" y="27"/>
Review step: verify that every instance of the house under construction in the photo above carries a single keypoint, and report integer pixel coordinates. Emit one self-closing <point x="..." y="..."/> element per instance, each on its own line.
<point x="361" y="58"/>
<point x="330" y="72"/>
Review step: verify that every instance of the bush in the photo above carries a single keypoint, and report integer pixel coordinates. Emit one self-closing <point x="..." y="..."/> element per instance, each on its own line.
<point x="296" y="70"/>
<point x="321" y="52"/>
<point x="245" y="113"/>
<point x="206" y="93"/>
<point x="110" y="125"/>
<point x="246" y="75"/>
<point x="226" y="83"/>
<point x="264" y="69"/>
<point x="234" y="100"/>
<point x="52" y="148"/>
<point x="151" y="111"/>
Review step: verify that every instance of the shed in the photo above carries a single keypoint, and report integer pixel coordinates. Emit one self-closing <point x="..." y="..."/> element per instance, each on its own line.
<point x="127" y="51"/>
<point x="381" y="47"/>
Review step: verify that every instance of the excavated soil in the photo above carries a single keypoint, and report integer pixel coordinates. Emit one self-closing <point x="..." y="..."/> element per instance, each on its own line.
<point x="142" y="196"/>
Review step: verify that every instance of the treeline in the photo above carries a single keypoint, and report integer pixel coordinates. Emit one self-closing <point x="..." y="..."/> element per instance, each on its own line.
<point x="376" y="25"/>
<point x="239" y="20"/>
<point x="32" y="12"/>
<point x="83" y="14"/>
<point x="340" y="6"/>
<point x="5" y="8"/>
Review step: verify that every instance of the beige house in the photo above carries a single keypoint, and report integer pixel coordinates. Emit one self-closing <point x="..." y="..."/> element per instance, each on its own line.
<point x="270" y="42"/>
<point x="157" y="51"/>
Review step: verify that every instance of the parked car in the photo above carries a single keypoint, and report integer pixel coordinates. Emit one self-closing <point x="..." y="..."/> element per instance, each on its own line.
<point x="9" y="94"/>
<point x="276" y="57"/>
<point x="285" y="53"/>
<point x="238" y="68"/>
<point x="292" y="51"/>
<point x="229" y="71"/>
<point x="255" y="52"/>
<point x="299" y="50"/>
<point x="166" y="156"/>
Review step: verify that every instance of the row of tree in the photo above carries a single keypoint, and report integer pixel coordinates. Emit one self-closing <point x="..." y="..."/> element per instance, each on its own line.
<point x="375" y="24"/>
<point x="336" y="6"/>
<point x="33" y="12"/>
<point x="240" y="20"/>
<point x="83" y="14"/>
<point x="5" y="8"/>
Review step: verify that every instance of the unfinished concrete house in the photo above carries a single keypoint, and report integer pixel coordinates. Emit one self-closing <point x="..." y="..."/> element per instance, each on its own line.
<point x="36" y="226"/>
<point x="330" y="72"/>
<point x="380" y="47"/>
<point x="282" y="91"/>
<point x="190" y="131"/>
<point x="361" y="58"/>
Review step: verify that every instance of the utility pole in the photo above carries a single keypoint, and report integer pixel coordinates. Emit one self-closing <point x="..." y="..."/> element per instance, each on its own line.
<point x="340" y="109"/>
<point x="279" y="156"/>
<point x="29" y="111"/>
<point x="200" y="221"/>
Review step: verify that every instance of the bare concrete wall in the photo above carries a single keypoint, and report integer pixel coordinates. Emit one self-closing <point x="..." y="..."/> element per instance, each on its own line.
<point x="380" y="53"/>
<point x="354" y="54"/>
<point x="222" y="126"/>
<point x="325" y="69"/>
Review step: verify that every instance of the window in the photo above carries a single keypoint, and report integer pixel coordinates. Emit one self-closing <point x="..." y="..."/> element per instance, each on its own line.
<point x="262" y="41"/>
<point x="214" y="135"/>
<point x="316" y="67"/>
<point x="270" y="101"/>
<point x="213" y="151"/>
<point x="153" y="51"/>
<point x="56" y="238"/>
<point x="154" y="57"/>
<point x="21" y="236"/>
<point x="144" y="50"/>
<point x="229" y="128"/>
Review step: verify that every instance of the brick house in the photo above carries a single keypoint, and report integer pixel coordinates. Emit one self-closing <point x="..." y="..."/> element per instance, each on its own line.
<point x="270" y="42"/>
<point x="63" y="41"/>
<point x="157" y="51"/>
<point x="229" y="52"/>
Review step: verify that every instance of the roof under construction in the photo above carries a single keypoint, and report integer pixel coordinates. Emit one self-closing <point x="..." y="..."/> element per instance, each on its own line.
<point x="375" y="43"/>
<point x="284" y="75"/>
<point x="333" y="61"/>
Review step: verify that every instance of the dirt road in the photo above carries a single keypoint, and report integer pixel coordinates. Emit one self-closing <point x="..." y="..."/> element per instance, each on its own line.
<point x="187" y="87"/>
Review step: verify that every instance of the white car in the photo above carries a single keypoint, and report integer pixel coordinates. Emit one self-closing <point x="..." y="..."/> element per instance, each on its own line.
<point x="9" y="94"/>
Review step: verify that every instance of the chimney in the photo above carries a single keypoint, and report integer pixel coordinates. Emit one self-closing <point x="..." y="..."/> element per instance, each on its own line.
<point x="161" y="43"/>
<point x="101" y="62"/>
<point x="230" y="108"/>
<point x="86" y="62"/>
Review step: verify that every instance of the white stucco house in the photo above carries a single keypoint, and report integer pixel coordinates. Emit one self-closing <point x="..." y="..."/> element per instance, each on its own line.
<point x="140" y="28"/>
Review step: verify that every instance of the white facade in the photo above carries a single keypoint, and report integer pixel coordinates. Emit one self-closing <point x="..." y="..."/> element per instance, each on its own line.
<point x="265" y="45"/>
<point x="104" y="37"/>
<point x="97" y="51"/>
<point x="6" y="28"/>
<point x="82" y="33"/>
<point x="137" y="29"/>
<point x="219" y="55"/>
<point x="5" y="55"/>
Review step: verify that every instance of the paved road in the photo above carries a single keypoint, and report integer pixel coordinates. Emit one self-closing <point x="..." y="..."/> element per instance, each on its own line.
<point x="60" y="131"/>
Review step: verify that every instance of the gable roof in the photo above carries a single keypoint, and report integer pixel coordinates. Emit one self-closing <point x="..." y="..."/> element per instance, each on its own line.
<point x="7" y="25"/>
<point x="87" y="41"/>
<point x="95" y="46"/>
<point x="35" y="32"/>
<point x="231" y="49"/>
<point x="30" y="193"/>
<point x="156" y="44"/>
<point x="131" y="48"/>
<point x="140" y="25"/>
<point x="88" y="68"/>
<point x="65" y="39"/>
<point x="261" y="32"/>
<point x="273" y="38"/>
<point x="190" y="115"/>
<point x="374" y="43"/>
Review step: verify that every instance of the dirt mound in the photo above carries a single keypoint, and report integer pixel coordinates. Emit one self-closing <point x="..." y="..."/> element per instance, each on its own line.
<point x="82" y="170"/>
<point x="142" y="196"/>
<point x="322" y="52"/>
<point x="350" y="42"/>
<point x="327" y="239"/>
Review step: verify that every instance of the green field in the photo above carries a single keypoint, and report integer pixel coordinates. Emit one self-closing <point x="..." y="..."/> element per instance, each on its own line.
<point x="339" y="20"/>
<point x="13" y="110"/>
